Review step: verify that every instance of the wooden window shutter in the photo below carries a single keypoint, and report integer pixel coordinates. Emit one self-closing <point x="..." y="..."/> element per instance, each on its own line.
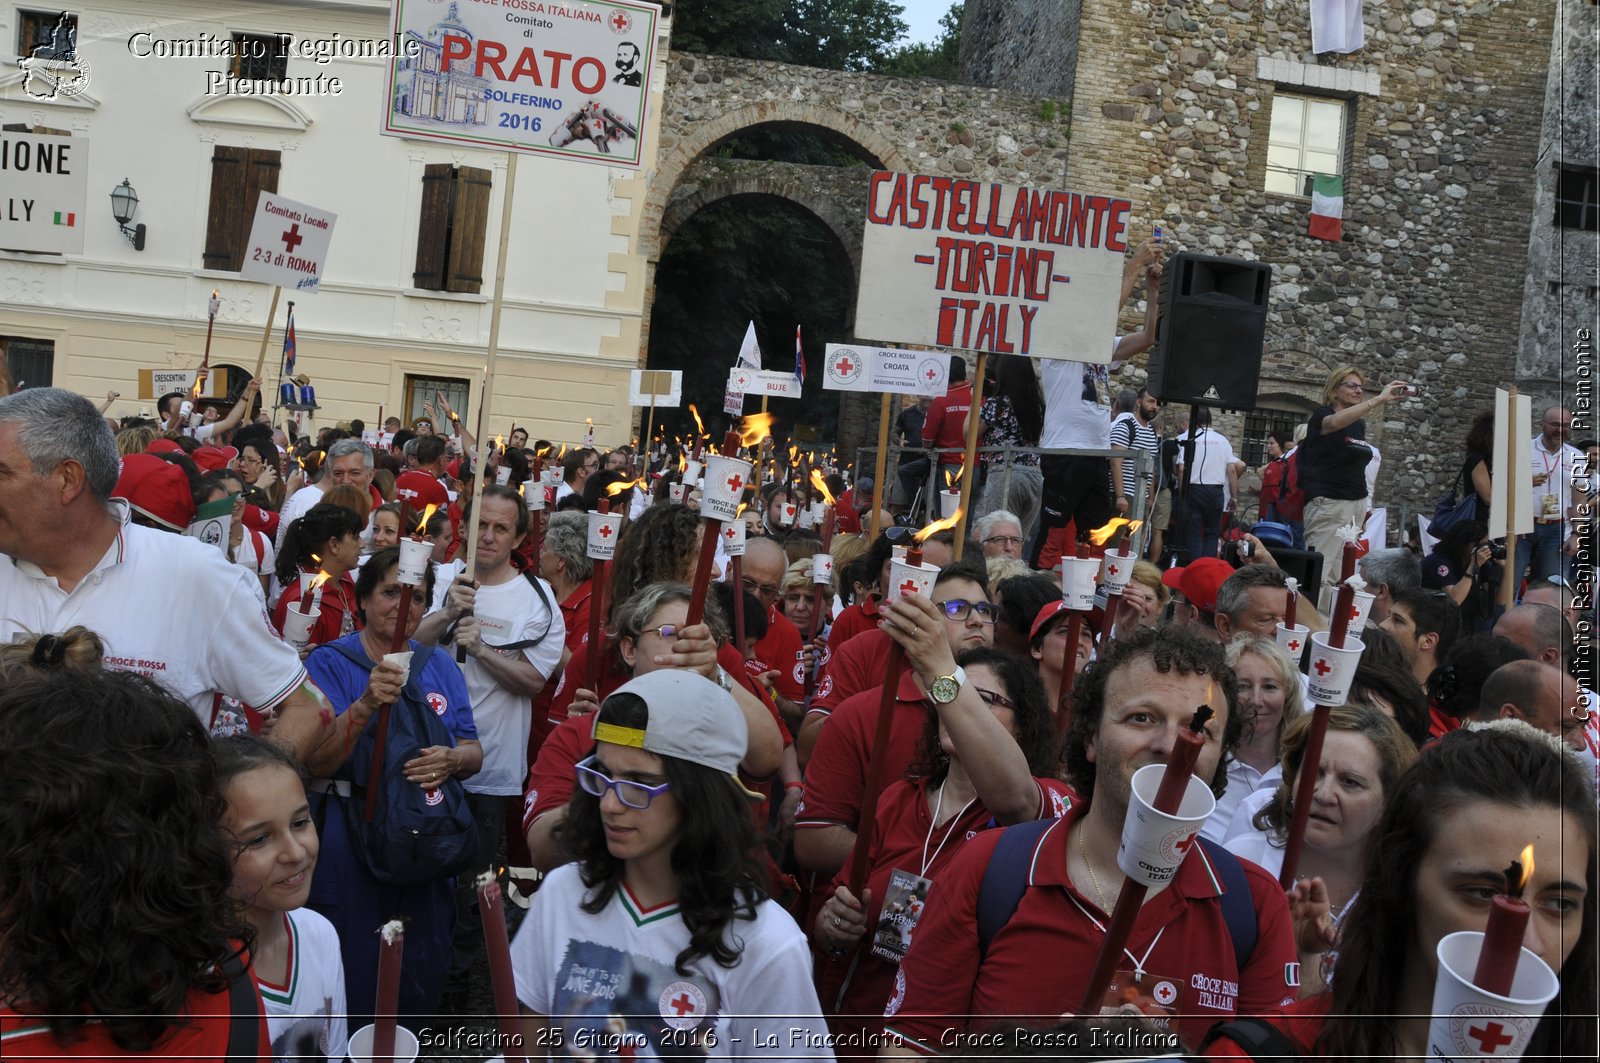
<point x="224" y="248"/>
<point x="433" y="228"/>
<point x="469" y="226"/>
<point x="261" y="175"/>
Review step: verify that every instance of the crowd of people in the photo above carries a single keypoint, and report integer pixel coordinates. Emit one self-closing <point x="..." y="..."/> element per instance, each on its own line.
<point x="395" y="663"/>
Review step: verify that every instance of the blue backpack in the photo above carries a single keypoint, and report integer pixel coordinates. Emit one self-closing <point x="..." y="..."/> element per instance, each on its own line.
<point x="414" y="836"/>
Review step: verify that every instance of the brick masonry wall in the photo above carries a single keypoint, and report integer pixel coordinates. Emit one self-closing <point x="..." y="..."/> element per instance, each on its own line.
<point x="1171" y="108"/>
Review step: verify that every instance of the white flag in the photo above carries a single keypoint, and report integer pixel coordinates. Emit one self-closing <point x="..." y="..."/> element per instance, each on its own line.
<point x="750" y="350"/>
<point x="1336" y="26"/>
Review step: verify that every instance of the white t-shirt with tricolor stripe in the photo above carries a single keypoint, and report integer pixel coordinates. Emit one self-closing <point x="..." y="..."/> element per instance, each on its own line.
<point x="306" y="1014"/>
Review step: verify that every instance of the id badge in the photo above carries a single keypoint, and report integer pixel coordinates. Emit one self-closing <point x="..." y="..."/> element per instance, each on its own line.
<point x="1550" y="507"/>
<point x="495" y="632"/>
<point x="903" y="902"/>
<point x="1156" y="995"/>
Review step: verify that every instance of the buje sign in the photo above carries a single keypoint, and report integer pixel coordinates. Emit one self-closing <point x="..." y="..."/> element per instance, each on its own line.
<point x="881" y="369"/>
<point x="746" y="381"/>
<point x="983" y="266"/>
<point x="288" y="243"/>
<point x="549" y="77"/>
<point x="43" y="190"/>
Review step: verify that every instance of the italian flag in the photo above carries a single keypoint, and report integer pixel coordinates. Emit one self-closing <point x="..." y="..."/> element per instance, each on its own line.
<point x="1327" y="206"/>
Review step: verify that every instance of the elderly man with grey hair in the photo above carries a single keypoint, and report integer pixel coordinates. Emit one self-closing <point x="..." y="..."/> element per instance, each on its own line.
<point x="999" y="531"/>
<point x="349" y="461"/>
<point x="75" y="559"/>
<point x="1387" y="573"/>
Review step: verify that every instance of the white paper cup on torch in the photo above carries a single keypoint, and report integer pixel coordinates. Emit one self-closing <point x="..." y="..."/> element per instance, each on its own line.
<point x="818" y="514"/>
<point x="949" y="502"/>
<point x="1332" y="671"/>
<point x="551" y="475"/>
<point x="898" y="553"/>
<point x="803" y="519"/>
<point x="305" y="580"/>
<point x="786" y="514"/>
<point x="533" y="495"/>
<point x="691" y="472"/>
<point x="604" y="529"/>
<point x="1292" y="641"/>
<point x="675" y="493"/>
<point x="822" y="569"/>
<point x="726" y="479"/>
<point x="403" y="659"/>
<point x="413" y="565"/>
<point x="1116" y="570"/>
<point x="297" y="626"/>
<point x="502" y="475"/>
<point x="1077" y="581"/>
<point x="907" y="579"/>
<point x="1471" y="1023"/>
<point x="733" y="536"/>
<point x="1154" y="843"/>
<point x="406" y="1046"/>
<point x="1360" y="609"/>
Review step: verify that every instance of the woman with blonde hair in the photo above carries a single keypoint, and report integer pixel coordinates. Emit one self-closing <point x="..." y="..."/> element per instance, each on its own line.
<point x="135" y="440"/>
<point x="1333" y="461"/>
<point x="1270" y="698"/>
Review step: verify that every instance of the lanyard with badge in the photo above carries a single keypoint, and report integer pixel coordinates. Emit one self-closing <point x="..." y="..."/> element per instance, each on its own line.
<point x="1156" y="995"/>
<point x="906" y="896"/>
<point x="1550" y="502"/>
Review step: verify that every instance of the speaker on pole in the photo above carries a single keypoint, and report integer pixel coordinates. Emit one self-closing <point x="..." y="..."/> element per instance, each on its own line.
<point x="1212" y="330"/>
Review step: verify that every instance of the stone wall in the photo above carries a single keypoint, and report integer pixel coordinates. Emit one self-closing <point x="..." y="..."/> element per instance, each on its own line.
<point x="1171" y="108"/>
<point x="1559" y="293"/>
<point x="1025" y="45"/>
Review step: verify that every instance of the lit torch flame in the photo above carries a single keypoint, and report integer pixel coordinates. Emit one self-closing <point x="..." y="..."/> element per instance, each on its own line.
<point x="1103" y="534"/>
<point x="427" y="515"/>
<point x="821" y="485"/>
<point x="952" y="477"/>
<point x="754" y="428"/>
<point x="683" y="463"/>
<point x="622" y="485"/>
<point x="1527" y="869"/>
<point x="699" y="426"/>
<point x="563" y="455"/>
<point x="938" y="526"/>
<point x="740" y="511"/>
<point x="322" y="577"/>
<point x="499" y="442"/>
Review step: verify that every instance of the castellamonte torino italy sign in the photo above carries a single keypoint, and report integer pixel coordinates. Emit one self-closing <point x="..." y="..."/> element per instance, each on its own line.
<point x="981" y="266"/>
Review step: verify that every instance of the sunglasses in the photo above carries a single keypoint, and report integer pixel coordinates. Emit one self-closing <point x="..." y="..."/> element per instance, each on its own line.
<point x="633" y="794"/>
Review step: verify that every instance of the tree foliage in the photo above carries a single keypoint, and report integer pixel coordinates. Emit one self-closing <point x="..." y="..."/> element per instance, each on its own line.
<point x="831" y="34"/>
<point x="941" y="59"/>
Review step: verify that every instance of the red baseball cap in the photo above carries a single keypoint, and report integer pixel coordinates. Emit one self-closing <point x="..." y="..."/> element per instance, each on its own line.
<point x="420" y="490"/>
<point x="1199" y="581"/>
<point x="164" y="446"/>
<point x="210" y="459"/>
<point x="1041" y="623"/>
<point x="158" y="489"/>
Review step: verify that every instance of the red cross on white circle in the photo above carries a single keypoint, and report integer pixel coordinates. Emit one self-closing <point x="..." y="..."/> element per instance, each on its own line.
<point x="292" y="238"/>
<point x="1183" y="846"/>
<point x="908" y="587"/>
<point x="933" y="374"/>
<point x="728" y="532"/>
<point x="605" y="531"/>
<point x="1322" y="667"/>
<point x="1112" y="570"/>
<point x="1355" y="612"/>
<point x="620" y="21"/>
<point x="1294" y="645"/>
<point x="735" y="483"/>
<point x="845" y="366"/>
<point x="1164" y="993"/>
<point x="682" y="1004"/>
<point x="1490" y="1037"/>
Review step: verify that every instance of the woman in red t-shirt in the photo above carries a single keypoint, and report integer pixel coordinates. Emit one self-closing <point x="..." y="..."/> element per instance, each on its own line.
<point x="986" y="761"/>
<point x="327" y="539"/>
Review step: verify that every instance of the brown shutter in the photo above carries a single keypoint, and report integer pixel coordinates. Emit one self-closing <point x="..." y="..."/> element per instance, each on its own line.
<point x="469" y="225"/>
<point x="224" y="249"/>
<point x="433" y="226"/>
<point x="261" y="175"/>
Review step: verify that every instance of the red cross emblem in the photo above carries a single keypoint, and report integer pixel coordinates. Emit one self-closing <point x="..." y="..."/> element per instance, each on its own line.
<point x="908" y="587"/>
<point x="844" y="366"/>
<point x="1294" y="645"/>
<point x="1322" y="667"/>
<point x="735" y="483"/>
<point x="1491" y="1038"/>
<point x="1184" y="846"/>
<point x="1355" y="612"/>
<point x="292" y="238"/>
<point x="728" y="533"/>
<point x="605" y="531"/>
<point x="621" y="22"/>
<point x="932" y="374"/>
<point x="1165" y="993"/>
<point x="1112" y="570"/>
<point x="682" y="1004"/>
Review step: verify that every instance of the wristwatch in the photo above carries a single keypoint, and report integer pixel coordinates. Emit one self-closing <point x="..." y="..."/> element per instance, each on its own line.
<point x="944" y="688"/>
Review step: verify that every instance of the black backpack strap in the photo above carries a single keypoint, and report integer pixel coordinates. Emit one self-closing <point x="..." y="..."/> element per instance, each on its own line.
<point x="1261" y="1040"/>
<point x="1238" y="905"/>
<point x="244" y="1021"/>
<point x="449" y="634"/>
<point x="1005" y="879"/>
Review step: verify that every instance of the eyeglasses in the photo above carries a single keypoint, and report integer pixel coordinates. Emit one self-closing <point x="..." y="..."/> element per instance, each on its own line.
<point x="960" y="609"/>
<point x="1353" y="384"/>
<point x="761" y="590"/>
<point x="633" y="794"/>
<point x="991" y="698"/>
<point x="664" y="631"/>
<point x="1002" y="540"/>
<point x="896" y="532"/>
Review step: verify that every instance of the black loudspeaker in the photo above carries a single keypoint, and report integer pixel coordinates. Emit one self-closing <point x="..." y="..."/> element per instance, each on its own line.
<point x="1212" y="329"/>
<point x="1303" y="565"/>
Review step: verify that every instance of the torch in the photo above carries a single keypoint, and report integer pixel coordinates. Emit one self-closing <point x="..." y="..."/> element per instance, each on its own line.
<point x="910" y="576"/>
<point x="1508" y="924"/>
<point x="409" y="572"/>
<point x="604" y="528"/>
<point x="727" y="477"/>
<point x="508" y="1014"/>
<point x="821" y="578"/>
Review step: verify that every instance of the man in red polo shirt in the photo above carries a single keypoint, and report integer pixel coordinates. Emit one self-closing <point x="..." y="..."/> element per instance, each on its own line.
<point x="946" y="426"/>
<point x="1128" y="710"/>
<point x="775" y="654"/>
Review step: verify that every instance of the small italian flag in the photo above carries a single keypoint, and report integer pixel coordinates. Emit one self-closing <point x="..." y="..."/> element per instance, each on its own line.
<point x="1327" y="206"/>
<point x="63" y="218"/>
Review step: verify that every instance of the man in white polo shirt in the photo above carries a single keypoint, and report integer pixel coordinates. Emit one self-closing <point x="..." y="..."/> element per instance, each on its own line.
<point x="69" y="556"/>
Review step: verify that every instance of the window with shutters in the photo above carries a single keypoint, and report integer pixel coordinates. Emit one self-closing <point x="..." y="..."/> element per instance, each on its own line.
<point x="450" y="235"/>
<point x="28" y="362"/>
<point x="238" y="177"/>
<point x="46" y="34"/>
